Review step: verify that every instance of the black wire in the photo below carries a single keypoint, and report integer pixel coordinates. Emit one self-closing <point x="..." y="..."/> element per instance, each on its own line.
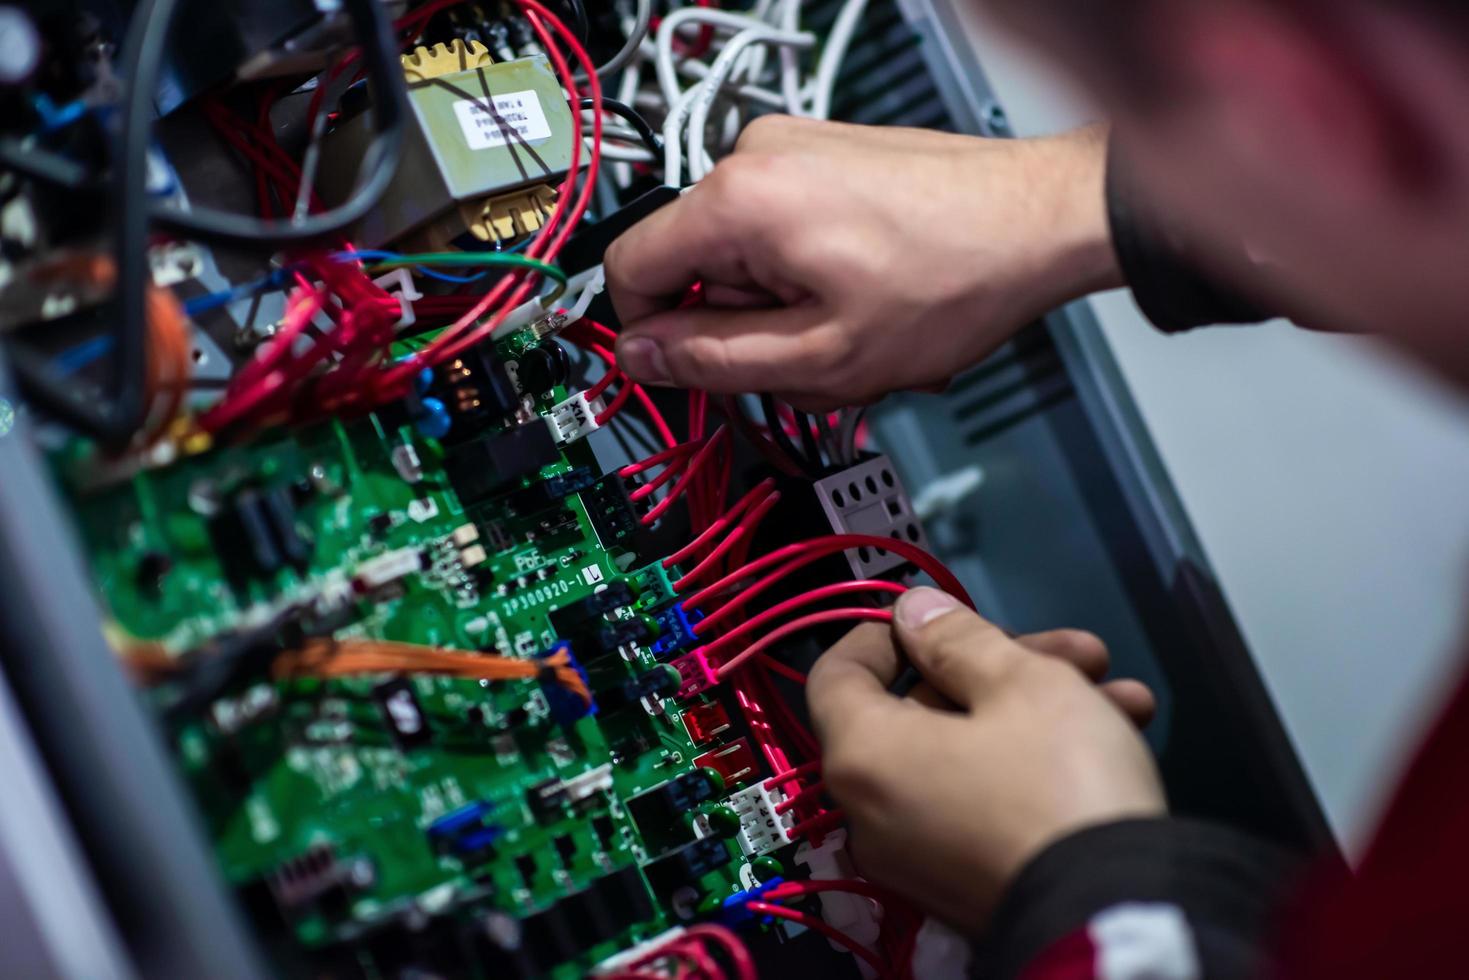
<point x="114" y="420"/>
<point x="778" y="433"/>
<point x="581" y="23"/>
<point x="808" y="439"/>
<point x="646" y="133"/>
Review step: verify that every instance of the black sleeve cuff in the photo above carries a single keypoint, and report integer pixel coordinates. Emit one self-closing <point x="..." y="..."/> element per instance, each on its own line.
<point x="1169" y="287"/>
<point x="1227" y="885"/>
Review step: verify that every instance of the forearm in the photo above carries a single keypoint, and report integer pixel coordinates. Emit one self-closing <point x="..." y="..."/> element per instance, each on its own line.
<point x="1172" y="898"/>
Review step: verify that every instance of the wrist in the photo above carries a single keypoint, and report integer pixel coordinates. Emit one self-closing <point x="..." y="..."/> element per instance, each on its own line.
<point x="1074" y="166"/>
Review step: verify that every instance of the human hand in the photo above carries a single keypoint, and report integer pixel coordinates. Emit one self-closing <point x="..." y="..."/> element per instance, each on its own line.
<point x="1012" y="746"/>
<point x="843" y="262"/>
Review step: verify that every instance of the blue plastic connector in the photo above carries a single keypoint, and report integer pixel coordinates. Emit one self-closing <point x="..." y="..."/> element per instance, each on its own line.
<point x="567" y="708"/>
<point x="734" y="911"/>
<point x="677" y="630"/>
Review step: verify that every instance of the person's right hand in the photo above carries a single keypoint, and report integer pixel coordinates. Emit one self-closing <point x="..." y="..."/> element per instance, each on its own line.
<point x="842" y="262"/>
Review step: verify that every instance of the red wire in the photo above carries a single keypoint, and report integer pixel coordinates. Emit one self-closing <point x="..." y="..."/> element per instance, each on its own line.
<point x="854" y="614"/>
<point x="717" y="527"/>
<point x="746" y="528"/>
<point x="829" y="931"/>
<point x="854" y="886"/>
<point x="776" y="667"/>
<point x="700" y="460"/>
<point x="791" y="605"/>
<point x="658" y="459"/>
<point x="613" y="374"/>
<point x="819" y="824"/>
<point x="803" y="553"/>
<point x="781" y="778"/>
<point x="615" y="405"/>
<point x="669" y="472"/>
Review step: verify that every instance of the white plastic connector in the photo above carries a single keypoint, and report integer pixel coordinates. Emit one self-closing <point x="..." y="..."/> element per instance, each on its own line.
<point x="575" y="418"/>
<point x="855" y="915"/>
<point x="762" y="830"/>
<point x="387" y="568"/>
<point x="592" y="781"/>
<point x="618" y="962"/>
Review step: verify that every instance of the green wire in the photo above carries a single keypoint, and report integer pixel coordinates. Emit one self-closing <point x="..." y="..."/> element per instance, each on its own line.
<point x="477" y="260"/>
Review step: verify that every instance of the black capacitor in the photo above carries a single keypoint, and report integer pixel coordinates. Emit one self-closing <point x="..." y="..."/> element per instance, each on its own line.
<point x="544" y="367"/>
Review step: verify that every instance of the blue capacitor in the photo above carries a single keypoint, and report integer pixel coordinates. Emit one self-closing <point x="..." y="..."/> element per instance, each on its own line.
<point x="432" y="419"/>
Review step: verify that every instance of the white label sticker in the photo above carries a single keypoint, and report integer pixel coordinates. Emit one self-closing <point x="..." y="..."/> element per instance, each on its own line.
<point x="517" y="117"/>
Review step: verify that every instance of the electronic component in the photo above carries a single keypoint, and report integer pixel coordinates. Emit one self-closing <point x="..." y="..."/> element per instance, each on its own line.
<point x="575" y="418"/>
<point x="315" y="878"/>
<point x="670" y="802"/>
<point x="422" y="544"/>
<point x="550" y="491"/>
<point x="256" y="536"/>
<point x="402" y="713"/>
<point x="386" y="568"/>
<point x="705" y="722"/>
<point x="612" y="512"/>
<point x="735" y="762"/>
<point x="484" y="142"/>
<point x="542" y="368"/>
<point x="476" y="390"/>
<point x="466" y="833"/>
<point x="676" y="630"/>
<point x="660" y="682"/>
<point x="688" y="864"/>
<point x="762" y="830"/>
<point x="566" y="706"/>
<point x="495" y="463"/>
<point x="573" y="618"/>
<point x="870" y="499"/>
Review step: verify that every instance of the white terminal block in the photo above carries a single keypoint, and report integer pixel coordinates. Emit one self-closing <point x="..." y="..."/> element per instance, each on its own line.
<point x="762" y="830"/>
<point x="575" y="418"/>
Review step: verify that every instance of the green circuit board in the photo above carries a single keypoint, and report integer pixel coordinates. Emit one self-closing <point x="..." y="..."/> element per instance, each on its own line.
<point x="311" y="785"/>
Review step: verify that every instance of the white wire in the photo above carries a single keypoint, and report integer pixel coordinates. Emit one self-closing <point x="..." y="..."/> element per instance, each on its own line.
<point x="750" y="93"/>
<point x="790" y="60"/>
<point x="708" y="90"/>
<point x="843" y="29"/>
<point x="673" y="137"/>
<point x="663" y="58"/>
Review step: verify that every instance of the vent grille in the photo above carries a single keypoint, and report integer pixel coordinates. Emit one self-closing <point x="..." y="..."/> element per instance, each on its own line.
<point x="885" y="80"/>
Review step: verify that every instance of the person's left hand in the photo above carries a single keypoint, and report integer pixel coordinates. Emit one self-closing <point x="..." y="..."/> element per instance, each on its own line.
<point x="1011" y="746"/>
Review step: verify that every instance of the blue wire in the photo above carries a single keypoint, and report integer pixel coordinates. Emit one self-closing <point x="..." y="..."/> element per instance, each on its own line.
<point x="54" y="117"/>
<point x="72" y="361"/>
